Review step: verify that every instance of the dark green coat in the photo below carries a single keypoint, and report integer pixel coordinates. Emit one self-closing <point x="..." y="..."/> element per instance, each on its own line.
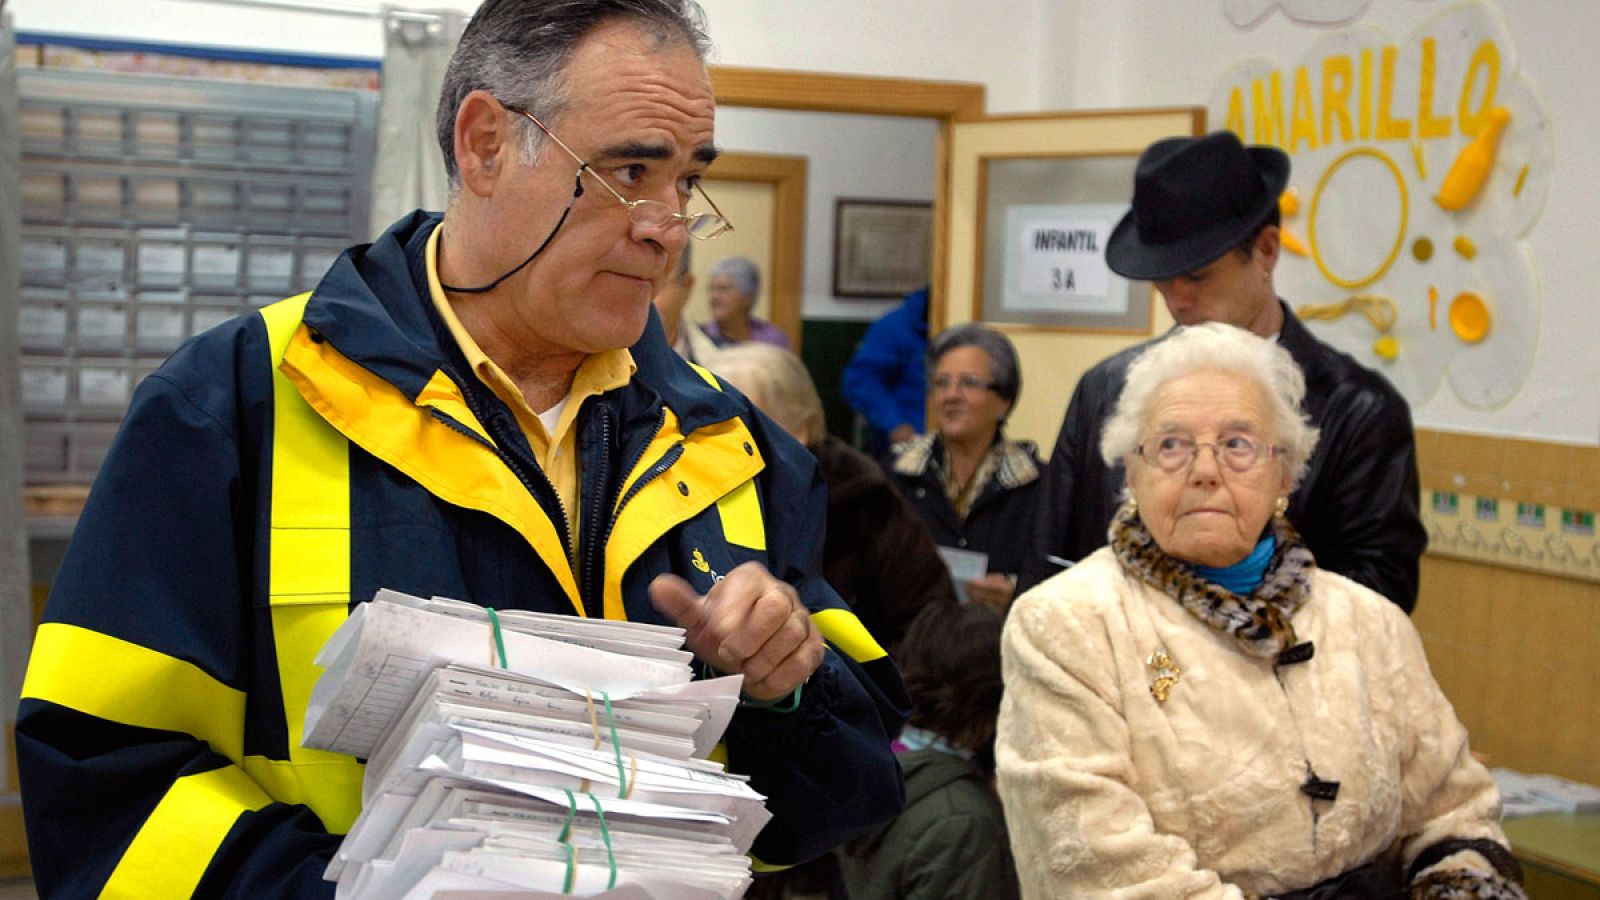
<point x="949" y="843"/>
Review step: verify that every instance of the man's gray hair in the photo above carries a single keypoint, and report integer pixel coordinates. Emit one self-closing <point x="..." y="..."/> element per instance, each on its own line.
<point x="778" y="383"/>
<point x="1215" y="347"/>
<point x="746" y="276"/>
<point x="1004" y="369"/>
<point x="518" y="50"/>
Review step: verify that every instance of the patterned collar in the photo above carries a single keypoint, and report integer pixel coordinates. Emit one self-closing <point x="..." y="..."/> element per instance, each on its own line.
<point x="1014" y="464"/>
<point x="1259" y="622"/>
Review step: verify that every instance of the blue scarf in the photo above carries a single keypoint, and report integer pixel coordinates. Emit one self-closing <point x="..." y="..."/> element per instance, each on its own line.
<point x="1244" y="576"/>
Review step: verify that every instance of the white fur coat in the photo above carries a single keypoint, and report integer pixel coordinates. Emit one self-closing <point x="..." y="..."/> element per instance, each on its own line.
<point x="1111" y="793"/>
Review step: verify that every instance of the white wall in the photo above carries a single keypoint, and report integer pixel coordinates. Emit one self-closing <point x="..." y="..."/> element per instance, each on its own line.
<point x="212" y="24"/>
<point x="878" y="157"/>
<point x="996" y="44"/>
<point x="1149" y="55"/>
<point x="952" y="41"/>
<point x="1050" y="54"/>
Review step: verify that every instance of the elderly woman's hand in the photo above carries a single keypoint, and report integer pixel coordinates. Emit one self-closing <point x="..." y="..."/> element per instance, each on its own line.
<point x="993" y="590"/>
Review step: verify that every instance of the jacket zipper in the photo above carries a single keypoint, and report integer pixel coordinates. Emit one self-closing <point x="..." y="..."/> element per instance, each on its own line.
<point x="594" y="549"/>
<point x="518" y="468"/>
<point x="592" y="499"/>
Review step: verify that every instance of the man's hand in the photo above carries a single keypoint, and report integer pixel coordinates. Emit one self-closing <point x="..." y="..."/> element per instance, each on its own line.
<point x="750" y="623"/>
<point x="901" y="433"/>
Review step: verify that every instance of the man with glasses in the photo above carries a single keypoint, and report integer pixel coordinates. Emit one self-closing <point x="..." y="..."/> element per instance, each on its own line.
<point x="1204" y="229"/>
<point x="479" y="406"/>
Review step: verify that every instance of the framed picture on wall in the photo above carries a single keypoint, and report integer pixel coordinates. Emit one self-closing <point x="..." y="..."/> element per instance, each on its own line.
<point x="881" y="248"/>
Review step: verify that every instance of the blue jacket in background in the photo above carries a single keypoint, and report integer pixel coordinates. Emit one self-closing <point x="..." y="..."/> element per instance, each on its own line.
<point x="886" y="380"/>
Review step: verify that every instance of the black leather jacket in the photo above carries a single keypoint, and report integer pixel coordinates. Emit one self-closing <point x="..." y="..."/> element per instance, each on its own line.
<point x="1356" y="507"/>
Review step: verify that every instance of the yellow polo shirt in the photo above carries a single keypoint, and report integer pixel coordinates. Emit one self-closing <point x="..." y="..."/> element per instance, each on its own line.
<point x="557" y="451"/>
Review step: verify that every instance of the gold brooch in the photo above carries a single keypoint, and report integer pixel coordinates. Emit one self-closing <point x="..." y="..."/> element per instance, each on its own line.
<point x="1166" y="671"/>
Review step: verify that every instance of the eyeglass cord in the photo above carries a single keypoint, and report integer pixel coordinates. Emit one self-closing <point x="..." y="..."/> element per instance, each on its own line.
<point x="484" y="289"/>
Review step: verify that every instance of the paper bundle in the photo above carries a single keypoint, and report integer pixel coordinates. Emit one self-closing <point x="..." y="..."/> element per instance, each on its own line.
<point x="1522" y="794"/>
<point x="520" y="754"/>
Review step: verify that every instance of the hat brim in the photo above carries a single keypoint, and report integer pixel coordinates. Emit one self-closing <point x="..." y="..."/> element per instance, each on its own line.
<point x="1130" y="257"/>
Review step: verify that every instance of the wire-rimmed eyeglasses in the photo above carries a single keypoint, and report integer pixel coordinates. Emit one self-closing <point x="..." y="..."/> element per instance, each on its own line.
<point x="1176" y="453"/>
<point x="648" y="213"/>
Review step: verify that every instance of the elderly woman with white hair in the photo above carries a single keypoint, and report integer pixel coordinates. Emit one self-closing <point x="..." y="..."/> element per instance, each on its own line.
<point x="1197" y="710"/>
<point x="732" y="289"/>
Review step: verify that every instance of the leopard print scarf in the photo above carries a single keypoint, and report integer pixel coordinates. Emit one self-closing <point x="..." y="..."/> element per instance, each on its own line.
<point x="1259" y="622"/>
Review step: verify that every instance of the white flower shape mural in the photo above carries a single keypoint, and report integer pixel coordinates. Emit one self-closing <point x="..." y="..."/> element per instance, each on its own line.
<point x="1244" y="13"/>
<point x="1419" y="165"/>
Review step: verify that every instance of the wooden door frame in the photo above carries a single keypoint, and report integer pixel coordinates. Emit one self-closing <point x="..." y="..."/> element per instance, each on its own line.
<point x="787" y="177"/>
<point x="946" y="101"/>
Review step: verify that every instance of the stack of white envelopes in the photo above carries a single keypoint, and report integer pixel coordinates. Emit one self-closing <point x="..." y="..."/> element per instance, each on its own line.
<point x="514" y="754"/>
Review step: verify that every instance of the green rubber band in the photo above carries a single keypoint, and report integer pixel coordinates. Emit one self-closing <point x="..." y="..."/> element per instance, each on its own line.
<point x="572" y="869"/>
<point x="572" y="811"/>
<point x="616" y="747"/>
<point x="606" y="836"/>
<point x="793" y="701"/>
<point x="499" y="639"/>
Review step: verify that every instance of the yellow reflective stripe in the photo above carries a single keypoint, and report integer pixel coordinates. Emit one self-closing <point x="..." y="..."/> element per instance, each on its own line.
<point x="123" y="682"/>
<point x="179" y="839"/>
<point x="714" y="462"/>
<point x="310" y="548"/>
<point x="841" y="628"/>
<point x="308" y="581"/>
<point x="705" y="373"/>
<point x="756" y="865"/>
<point x="331" y="788"/>
<point x="740" y="510"/>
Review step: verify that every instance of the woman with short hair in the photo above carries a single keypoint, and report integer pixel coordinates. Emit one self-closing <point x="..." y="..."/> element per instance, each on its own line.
<point x="973" y="487"/>
<point x="1197" y="710"/>
<point x="733" y="286"/>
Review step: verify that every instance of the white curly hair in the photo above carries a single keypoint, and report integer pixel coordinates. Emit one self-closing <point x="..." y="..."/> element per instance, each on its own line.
<point x="1215" y="347"/>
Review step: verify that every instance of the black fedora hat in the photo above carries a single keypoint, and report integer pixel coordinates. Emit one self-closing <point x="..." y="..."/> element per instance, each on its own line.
<point x="1193" y="200"/>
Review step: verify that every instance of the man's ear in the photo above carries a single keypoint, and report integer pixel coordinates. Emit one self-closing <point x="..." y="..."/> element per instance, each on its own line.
<point x="1267" y="247"/>
<point x="486" y="142"/>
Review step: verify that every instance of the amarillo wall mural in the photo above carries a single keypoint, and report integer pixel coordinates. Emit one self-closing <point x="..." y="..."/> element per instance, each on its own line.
<point x="1419" y="164"/>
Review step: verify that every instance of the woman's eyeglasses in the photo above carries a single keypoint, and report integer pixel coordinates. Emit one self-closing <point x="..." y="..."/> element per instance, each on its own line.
<point x="1174" y="453"/>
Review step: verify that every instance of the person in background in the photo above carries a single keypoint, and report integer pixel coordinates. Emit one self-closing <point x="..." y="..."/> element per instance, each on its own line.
<point x="733" y="286"/>
<point x="974" y="488"/>
<point x="479" y="406"/>
<point x="886" y="379"/>
<point x="1204" y="228"/>
<point x="689" y="339"/>
<point x="951" y="842"/>
<point x="1200" y="709"/>
<point x="878" y="554"/>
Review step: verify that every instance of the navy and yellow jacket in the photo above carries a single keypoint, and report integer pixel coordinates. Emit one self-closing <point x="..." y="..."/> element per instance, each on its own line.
<point x="245" y="506"/>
